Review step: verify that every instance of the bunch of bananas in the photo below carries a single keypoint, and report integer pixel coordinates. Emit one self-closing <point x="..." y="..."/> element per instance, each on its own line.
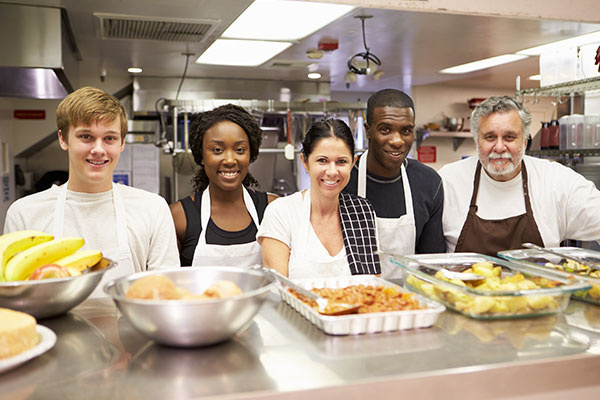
<point x="37" y="255"/>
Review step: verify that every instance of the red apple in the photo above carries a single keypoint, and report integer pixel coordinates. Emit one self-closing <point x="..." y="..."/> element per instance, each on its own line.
<point x="49" y="271"/>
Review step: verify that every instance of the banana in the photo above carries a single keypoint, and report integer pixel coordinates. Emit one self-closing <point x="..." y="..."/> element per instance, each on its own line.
<point x="80" y="260"/>
<point x="24" y="263"/>
<point x="12" y="243"/>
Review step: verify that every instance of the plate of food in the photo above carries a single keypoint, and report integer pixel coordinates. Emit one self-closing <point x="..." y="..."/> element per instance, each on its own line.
<point x="21" y="339"/>
<point x="506" y="290"/>
<point x="384" y="306"/>
<point x="579" y="264"/>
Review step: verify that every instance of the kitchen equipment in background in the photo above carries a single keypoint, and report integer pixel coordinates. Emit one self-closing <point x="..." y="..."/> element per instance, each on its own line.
<point x="545" y="138"/>
<point x="289" y="147"/>
<point x="282" y="187"/>
<point x="591" y="132"/>
<point x="474" y="102"/>
<point x="575" y="131"/>
<point x="563" y="124"/>
<point x="263" y="168"/>
<point x="553" y="135"/>
<point x="453" y="124"/>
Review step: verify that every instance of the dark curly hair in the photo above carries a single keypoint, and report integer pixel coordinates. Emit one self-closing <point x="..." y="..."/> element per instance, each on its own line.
<point x="204" y="121"/>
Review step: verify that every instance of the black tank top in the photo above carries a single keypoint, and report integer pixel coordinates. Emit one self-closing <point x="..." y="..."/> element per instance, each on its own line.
<point x="214" y="234"/>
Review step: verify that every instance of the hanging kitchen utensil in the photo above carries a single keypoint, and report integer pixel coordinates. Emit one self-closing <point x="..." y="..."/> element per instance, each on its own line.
<point x="288" y="150"/>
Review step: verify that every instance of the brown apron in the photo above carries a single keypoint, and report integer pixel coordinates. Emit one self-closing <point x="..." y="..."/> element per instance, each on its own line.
<point x="491" y="236"/>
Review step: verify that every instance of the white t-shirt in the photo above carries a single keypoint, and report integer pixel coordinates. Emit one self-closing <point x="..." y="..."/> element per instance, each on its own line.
<point x="150" y="227"/>
<point x="499" y="200"/>
<point x="565" y="205"/>
<point x="285" y="220"/>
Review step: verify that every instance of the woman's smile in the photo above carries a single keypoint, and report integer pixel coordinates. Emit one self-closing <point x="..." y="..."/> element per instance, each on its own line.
<point x="226" y="151"/>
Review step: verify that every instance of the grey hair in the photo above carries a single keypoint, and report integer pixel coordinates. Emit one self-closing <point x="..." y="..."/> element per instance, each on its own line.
<point x="499" y="104"/>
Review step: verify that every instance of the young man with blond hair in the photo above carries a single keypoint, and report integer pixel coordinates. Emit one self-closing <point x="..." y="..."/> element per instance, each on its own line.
<point x="130" y="226"/>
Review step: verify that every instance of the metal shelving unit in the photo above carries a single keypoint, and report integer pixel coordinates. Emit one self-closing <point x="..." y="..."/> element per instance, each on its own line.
<point x="567" y="153"/>
<point x="563" y="89"/>
<point x="571" y="89"/>
<point x="457" y="137"/>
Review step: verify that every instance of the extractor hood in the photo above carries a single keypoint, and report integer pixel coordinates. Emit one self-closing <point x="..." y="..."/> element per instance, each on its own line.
<point x="31" y="46"/>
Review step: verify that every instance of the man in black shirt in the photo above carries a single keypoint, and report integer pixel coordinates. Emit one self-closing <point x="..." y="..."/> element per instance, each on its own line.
<point x="408" y="196"/>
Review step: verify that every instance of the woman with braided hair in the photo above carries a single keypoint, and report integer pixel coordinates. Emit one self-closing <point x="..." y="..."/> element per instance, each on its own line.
<point x="217" y="224"/>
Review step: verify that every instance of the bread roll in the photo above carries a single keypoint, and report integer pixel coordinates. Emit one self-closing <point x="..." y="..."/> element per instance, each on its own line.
<point x="17" y="332"/>
<point x="153" y="287"/>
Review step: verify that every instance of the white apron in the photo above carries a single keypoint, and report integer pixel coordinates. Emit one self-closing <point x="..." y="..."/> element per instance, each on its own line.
<point x="238" y="255"/>
<point x="121" y="254"/>
<point x="304" y="261"/>
<point x="395" y="235"/>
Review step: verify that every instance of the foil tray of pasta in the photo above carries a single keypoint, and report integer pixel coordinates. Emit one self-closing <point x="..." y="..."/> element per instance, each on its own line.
<point x="385" y="307"/>
<point x="507" y="290"/>
<point x="581" y="267"/>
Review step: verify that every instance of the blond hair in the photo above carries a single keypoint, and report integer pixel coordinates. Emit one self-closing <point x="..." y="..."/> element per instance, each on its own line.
<point x="88" y="105"/>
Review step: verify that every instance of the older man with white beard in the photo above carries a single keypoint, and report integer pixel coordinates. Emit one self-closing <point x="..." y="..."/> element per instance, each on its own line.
<point x="516" y="198"/>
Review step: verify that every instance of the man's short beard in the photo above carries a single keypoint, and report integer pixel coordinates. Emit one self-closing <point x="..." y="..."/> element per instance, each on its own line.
<point x="515" y="164"/>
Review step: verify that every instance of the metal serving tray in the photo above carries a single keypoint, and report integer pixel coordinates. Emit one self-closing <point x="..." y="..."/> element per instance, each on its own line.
<point x="488" y="304"/>
<point x="536" y="259"/>
<point x="356" y="324"/>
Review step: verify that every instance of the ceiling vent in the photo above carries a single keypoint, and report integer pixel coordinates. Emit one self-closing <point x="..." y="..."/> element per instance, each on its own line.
<point x="114" y="26"/>
<point x="289" y="64"/>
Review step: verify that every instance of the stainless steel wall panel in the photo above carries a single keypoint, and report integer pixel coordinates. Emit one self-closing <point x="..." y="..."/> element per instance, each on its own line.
<point x="30" y="36"/>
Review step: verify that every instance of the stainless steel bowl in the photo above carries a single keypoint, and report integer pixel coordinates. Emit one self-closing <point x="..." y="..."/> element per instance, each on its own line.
<point x="52" y="297"/>
<point x="186" y="323"/>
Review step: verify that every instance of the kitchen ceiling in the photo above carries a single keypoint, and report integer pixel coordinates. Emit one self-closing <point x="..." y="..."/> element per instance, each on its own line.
<point x="413" y="46"/>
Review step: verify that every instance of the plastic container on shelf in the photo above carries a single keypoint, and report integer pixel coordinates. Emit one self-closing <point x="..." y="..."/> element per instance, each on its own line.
<point x="563" y="124"/>
<point x="575" y="131"/>
<point x="591" y="132"/>
<point x="545" y="138"/>
<point x="553" y="135"/>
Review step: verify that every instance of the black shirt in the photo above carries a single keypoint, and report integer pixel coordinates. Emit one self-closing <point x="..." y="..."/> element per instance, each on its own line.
<point x="214" y="234"/>
<point x="387" y="197"/>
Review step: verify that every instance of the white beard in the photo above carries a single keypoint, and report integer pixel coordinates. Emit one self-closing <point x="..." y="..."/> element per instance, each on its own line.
<point x="499" y="172"/>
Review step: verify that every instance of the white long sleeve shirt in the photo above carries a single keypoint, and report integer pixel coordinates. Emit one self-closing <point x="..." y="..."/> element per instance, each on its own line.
<point x="149" y="224"/>
<point x="565" y="205"/>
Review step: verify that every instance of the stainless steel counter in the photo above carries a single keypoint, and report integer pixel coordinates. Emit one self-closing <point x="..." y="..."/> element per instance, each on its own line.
<point x="99" y="355"/>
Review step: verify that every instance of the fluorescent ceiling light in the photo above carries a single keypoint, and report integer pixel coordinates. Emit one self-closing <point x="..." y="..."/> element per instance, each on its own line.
<point x="247" y="53"/>
<point x="482" y="64"/>
<point x="134" y="70"/>
<point x="537" y="77"/>
<point x="572" y="42"/>
<point x="314" y="75"/>
<point x="283" y="20"/>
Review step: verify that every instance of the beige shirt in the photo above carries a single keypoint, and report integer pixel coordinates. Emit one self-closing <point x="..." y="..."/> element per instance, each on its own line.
<point x="150" y="227"/>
